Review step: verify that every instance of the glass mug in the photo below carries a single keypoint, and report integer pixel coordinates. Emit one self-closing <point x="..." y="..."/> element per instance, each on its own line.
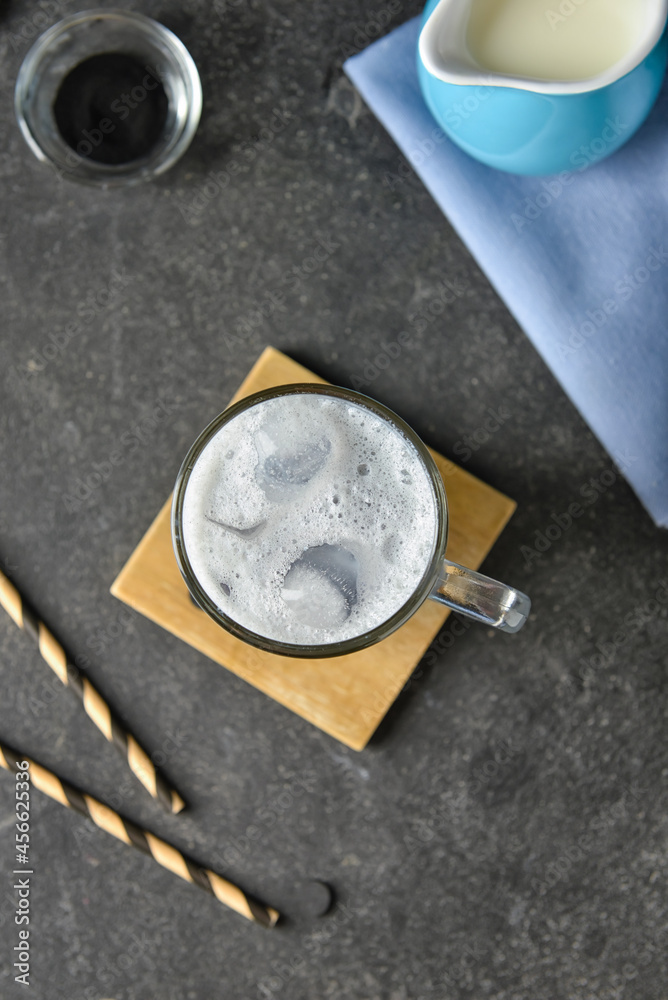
<point x="310" y="520"/>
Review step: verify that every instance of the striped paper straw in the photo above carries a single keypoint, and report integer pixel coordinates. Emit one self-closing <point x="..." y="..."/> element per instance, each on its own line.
<point x="93" y="702"/>
<point x="127" y="831"/>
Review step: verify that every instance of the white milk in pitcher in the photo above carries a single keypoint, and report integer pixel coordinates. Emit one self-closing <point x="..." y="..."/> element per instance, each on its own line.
<point x="551" y="39"/>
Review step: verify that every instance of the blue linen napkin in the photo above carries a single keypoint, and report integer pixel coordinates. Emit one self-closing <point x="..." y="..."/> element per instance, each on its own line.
<point x="581" y="260"/>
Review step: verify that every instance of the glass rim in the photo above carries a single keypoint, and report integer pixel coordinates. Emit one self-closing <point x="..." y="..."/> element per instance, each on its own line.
<point x="314" y="650"/>
<point x="88" y="171"/>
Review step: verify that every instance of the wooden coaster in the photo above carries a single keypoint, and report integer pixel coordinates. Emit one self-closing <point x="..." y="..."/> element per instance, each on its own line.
<point x="346" y="696"/>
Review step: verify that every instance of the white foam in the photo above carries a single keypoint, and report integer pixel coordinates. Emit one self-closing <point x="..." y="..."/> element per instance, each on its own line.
<point x="305" y="472"/>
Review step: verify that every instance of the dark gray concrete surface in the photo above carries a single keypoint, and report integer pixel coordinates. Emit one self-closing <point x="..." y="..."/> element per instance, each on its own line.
<point x="504" y="835"/>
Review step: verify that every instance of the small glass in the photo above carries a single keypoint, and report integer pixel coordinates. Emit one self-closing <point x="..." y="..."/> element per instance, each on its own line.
<point x="92" y="33"/>
<point x="465" y="591"/>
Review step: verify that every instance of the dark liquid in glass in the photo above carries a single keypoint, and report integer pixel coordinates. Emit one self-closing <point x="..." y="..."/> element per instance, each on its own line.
<point x="111" y="108"/>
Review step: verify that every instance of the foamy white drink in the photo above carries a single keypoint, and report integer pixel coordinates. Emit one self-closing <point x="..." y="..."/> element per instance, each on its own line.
<point x="309" y="519"/>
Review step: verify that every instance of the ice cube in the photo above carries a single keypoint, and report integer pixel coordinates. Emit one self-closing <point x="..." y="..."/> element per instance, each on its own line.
<point x="320" y="587"/>
<point x="288" y="458"/>
<point x="313" y="599"/>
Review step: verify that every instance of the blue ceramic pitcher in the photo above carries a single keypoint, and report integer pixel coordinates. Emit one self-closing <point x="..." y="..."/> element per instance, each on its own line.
<point x="538" y="126"/>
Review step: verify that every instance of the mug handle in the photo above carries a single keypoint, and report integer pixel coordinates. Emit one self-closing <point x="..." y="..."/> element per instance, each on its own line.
<point x="479" y="597"/>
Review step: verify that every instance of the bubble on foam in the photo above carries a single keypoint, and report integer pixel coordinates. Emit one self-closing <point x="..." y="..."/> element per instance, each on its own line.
<point x="225" y="486"/>
<point x="390" y="548"/>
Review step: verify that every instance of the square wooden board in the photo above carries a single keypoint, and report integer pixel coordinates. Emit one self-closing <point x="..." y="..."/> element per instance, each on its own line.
<point x="346" y="696"/>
